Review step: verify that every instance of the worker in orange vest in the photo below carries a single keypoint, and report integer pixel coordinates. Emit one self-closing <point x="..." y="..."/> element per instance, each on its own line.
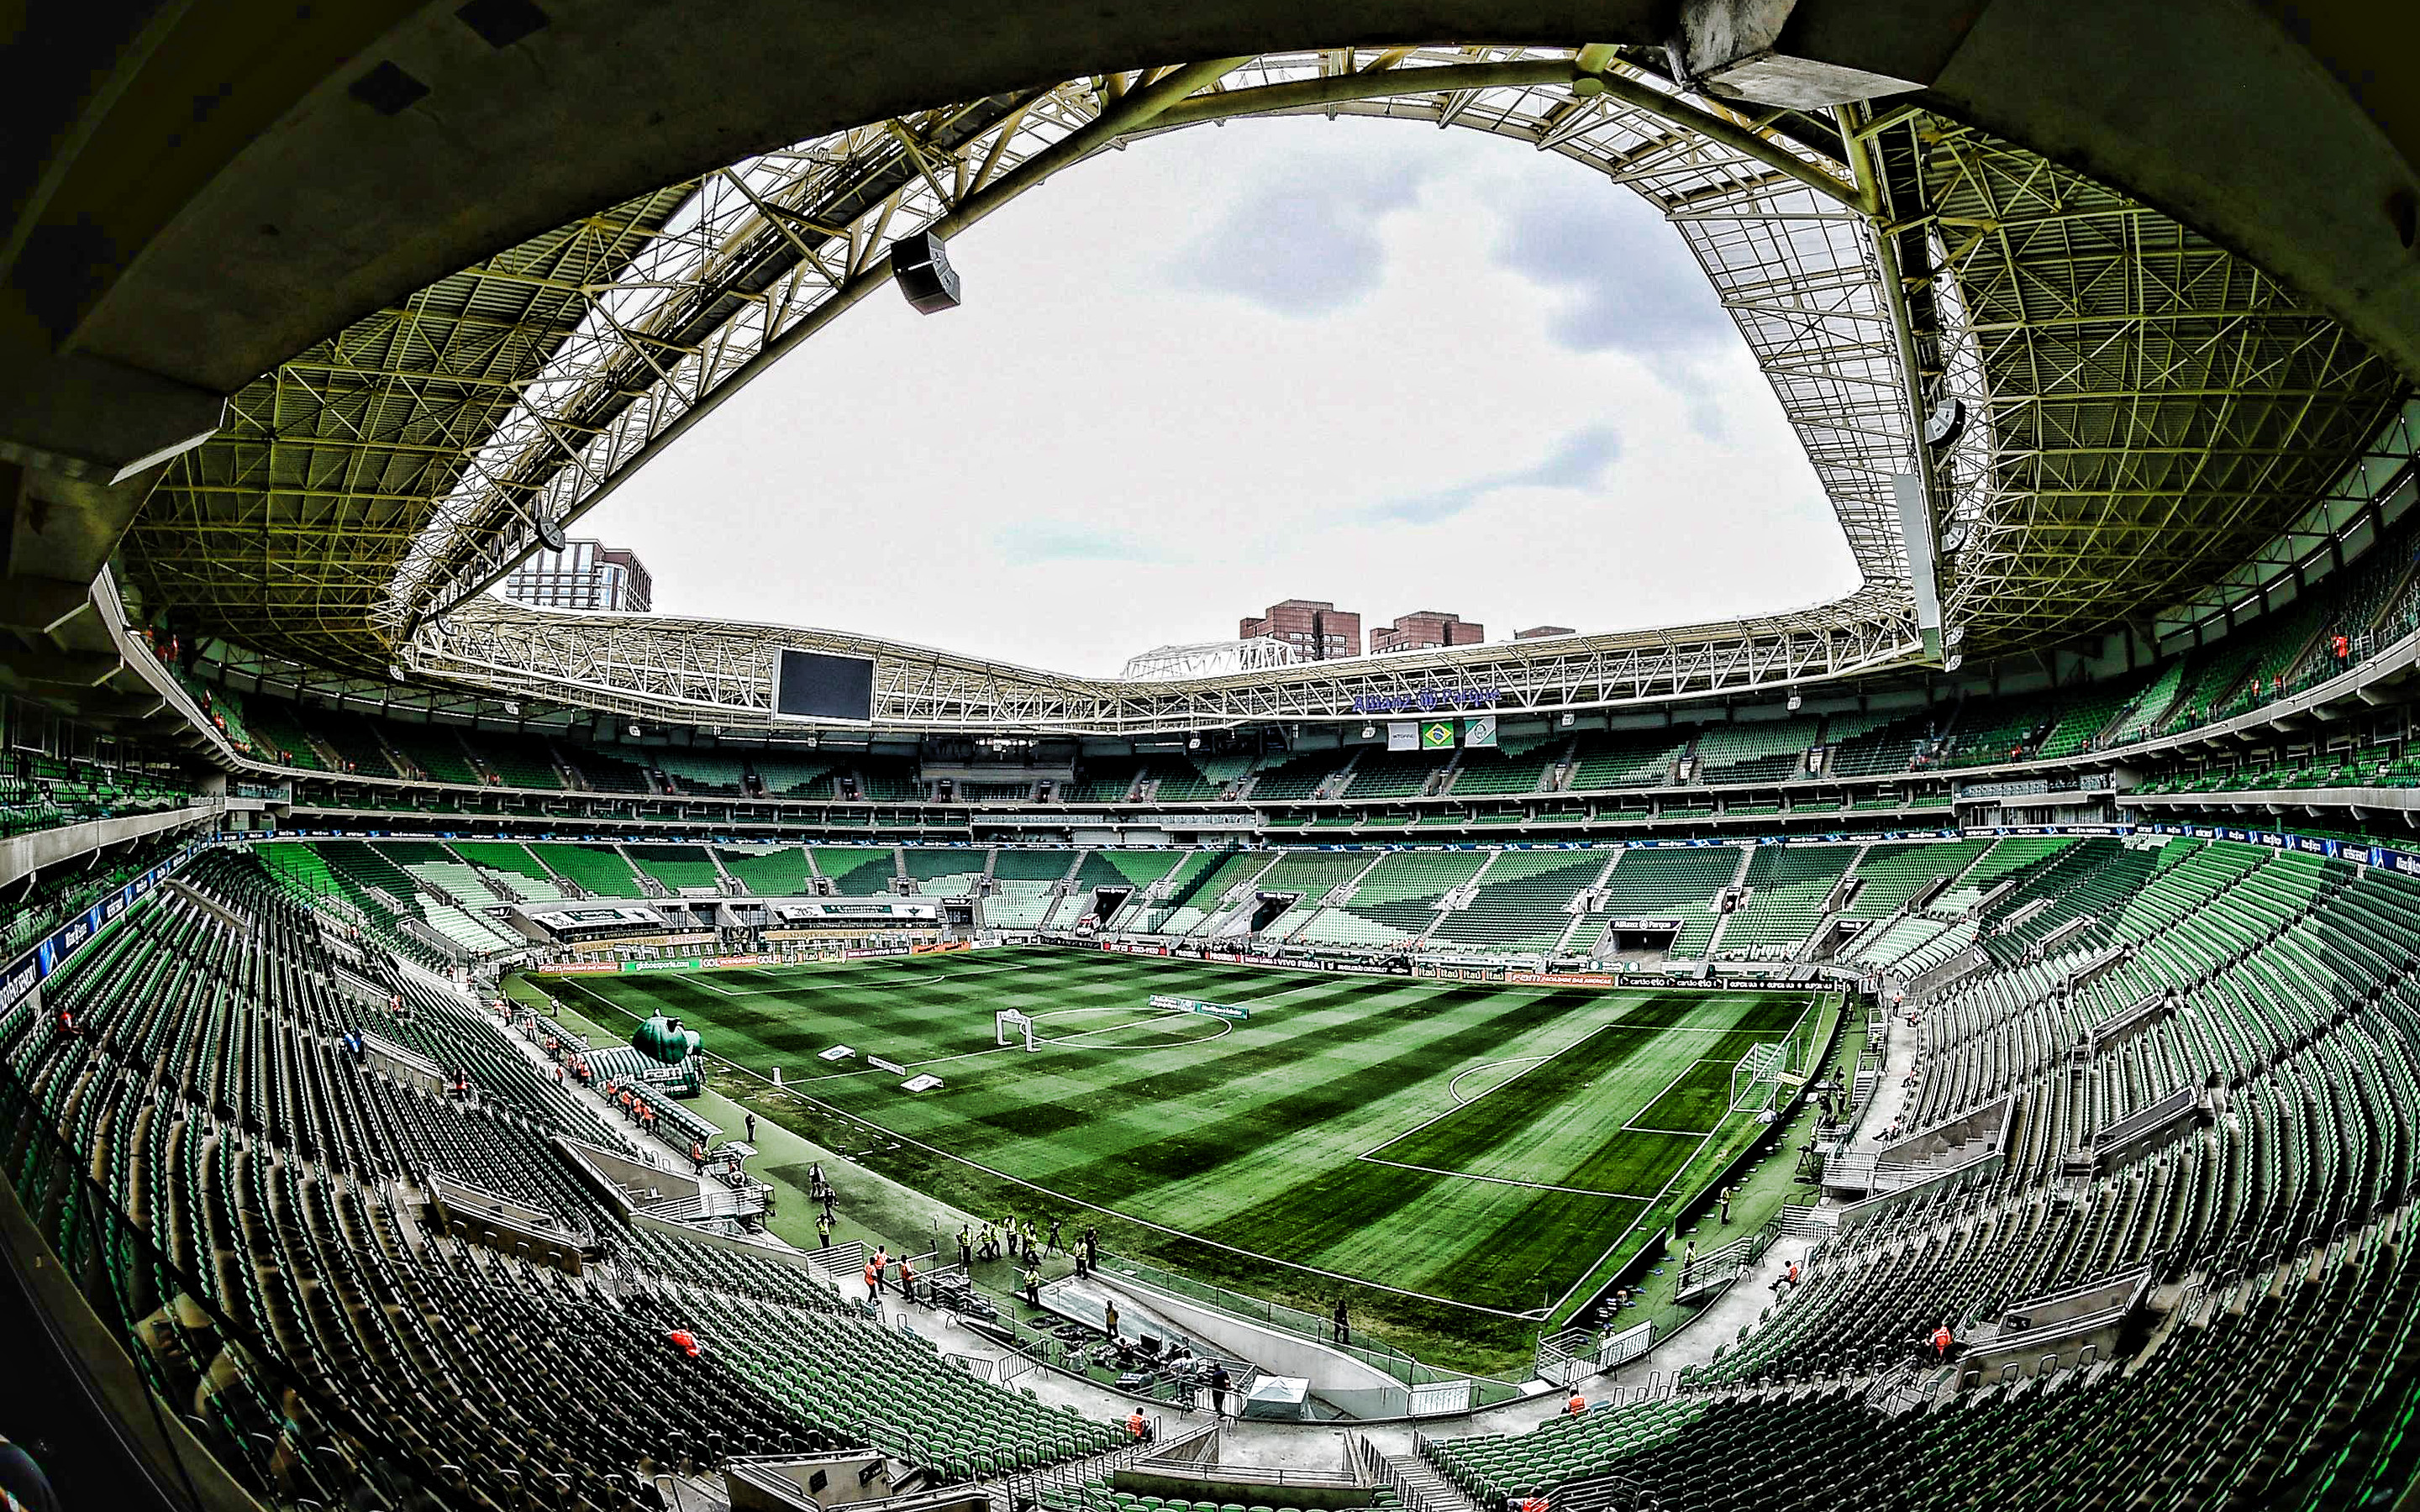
<point x="906" y="1280"/>
<point x="1941" y="1342"/>
<point x="873" y="1281"/>
<point x="1135" y="1425"/>
<point x="1577" y="1405"/>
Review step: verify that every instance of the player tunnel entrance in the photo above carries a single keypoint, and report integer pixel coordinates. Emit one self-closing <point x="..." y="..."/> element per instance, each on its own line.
<point x="1105" y="904"/>
<point x="1269" y="905"/>
<point x="1641" y="936"/>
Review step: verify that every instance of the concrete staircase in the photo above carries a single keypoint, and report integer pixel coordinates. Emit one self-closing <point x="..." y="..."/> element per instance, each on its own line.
<point x="1423" y="1488"/>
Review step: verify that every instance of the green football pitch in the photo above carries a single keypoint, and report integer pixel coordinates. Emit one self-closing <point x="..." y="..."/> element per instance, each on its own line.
<point x="1473" y="1147"/>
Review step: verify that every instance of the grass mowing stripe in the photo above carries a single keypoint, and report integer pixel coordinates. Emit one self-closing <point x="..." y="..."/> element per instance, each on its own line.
<point x="1245" y="1142"/>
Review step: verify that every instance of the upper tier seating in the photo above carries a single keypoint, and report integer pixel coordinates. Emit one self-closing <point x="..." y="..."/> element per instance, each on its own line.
<point x="1395" y="774"/>
<point x="1103" y="781"/>
<point x="1626" y="759"/>
<point x="436" y="750"/>
<point x="1484" y="773"/>
<point x="784" y="776"/>
<point x="698" y="772"/>
<point x="1175" y="780"/>
<point x="1295" y="777"/>
<point x="1863" y="746"/>
<point x="518" y="760"/>
<point x="610" y="773"/>
<point x="1765" y="750"/>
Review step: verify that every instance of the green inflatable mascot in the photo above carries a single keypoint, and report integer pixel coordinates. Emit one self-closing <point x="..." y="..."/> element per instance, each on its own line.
<point x="665" y="1039"/>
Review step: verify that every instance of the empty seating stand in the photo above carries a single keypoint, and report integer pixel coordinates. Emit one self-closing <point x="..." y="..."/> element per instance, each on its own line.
<point x="334" y="1350"/>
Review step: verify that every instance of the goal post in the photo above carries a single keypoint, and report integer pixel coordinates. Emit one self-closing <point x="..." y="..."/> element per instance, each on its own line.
<point x="1008" y="1021"/>
<point x="1755" y="1077"/>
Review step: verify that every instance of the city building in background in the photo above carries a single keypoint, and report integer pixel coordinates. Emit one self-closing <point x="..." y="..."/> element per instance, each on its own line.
<point x="1320" y="630"/>
<point x="1540" y="632"/>
<point x="583" y="575"/>
<point x="1426" y="629"/>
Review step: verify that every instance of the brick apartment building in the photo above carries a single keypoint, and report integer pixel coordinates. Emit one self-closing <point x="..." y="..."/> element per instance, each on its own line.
<point x="1426" y="629"/>
<point x="1318" y="629"/>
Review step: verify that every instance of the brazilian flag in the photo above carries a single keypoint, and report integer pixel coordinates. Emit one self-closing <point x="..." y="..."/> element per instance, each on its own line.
<point x="1437" y="734"/>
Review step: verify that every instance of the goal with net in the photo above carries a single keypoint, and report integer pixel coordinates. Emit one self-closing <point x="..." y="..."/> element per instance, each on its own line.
<point x="1008" y="1025"/>
<point x="1755" y="1077"/>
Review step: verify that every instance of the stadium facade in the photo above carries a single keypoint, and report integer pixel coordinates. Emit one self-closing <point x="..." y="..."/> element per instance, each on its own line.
<point x="2095" y="798"/>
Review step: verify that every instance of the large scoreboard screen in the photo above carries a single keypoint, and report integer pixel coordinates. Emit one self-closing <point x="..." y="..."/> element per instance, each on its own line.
<point x="810" y="685"/>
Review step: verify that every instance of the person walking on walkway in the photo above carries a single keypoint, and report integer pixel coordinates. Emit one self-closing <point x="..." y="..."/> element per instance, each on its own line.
<point x="751" y="1128"/>
<point x="1110" y="1319"/>
<point x="1343" y="1323"/>
<point x="873" y="1282"/>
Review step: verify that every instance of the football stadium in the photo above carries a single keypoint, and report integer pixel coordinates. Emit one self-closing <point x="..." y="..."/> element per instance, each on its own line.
<point x="471" y="1041"/>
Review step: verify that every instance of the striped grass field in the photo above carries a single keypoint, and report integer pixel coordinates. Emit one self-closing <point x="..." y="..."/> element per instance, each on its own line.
<point x="1444" y="1147"/>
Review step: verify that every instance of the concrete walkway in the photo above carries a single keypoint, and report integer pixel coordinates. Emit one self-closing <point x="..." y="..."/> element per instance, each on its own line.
<point x="1903" y="1053"/>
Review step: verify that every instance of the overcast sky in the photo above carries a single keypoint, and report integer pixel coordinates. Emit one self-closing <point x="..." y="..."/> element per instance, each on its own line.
<point x="1391" y="366"/>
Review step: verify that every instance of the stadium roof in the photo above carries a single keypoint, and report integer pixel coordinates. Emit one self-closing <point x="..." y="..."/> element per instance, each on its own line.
<point x="2141" y="408"/>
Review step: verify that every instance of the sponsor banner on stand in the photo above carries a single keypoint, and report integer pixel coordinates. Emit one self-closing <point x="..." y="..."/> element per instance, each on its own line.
<point x="18" y="979"/>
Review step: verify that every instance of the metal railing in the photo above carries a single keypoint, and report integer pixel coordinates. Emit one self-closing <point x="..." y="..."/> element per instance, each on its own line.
<point x="1025" y="1488"/>
<point x="1486" y="1391"/>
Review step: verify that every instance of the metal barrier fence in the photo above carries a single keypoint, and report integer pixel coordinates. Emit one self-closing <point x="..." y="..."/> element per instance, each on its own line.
<point x="1484" y="1390"/>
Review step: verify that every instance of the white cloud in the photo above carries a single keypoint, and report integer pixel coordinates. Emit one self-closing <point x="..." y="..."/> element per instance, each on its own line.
<point x="1114" y="444"/>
